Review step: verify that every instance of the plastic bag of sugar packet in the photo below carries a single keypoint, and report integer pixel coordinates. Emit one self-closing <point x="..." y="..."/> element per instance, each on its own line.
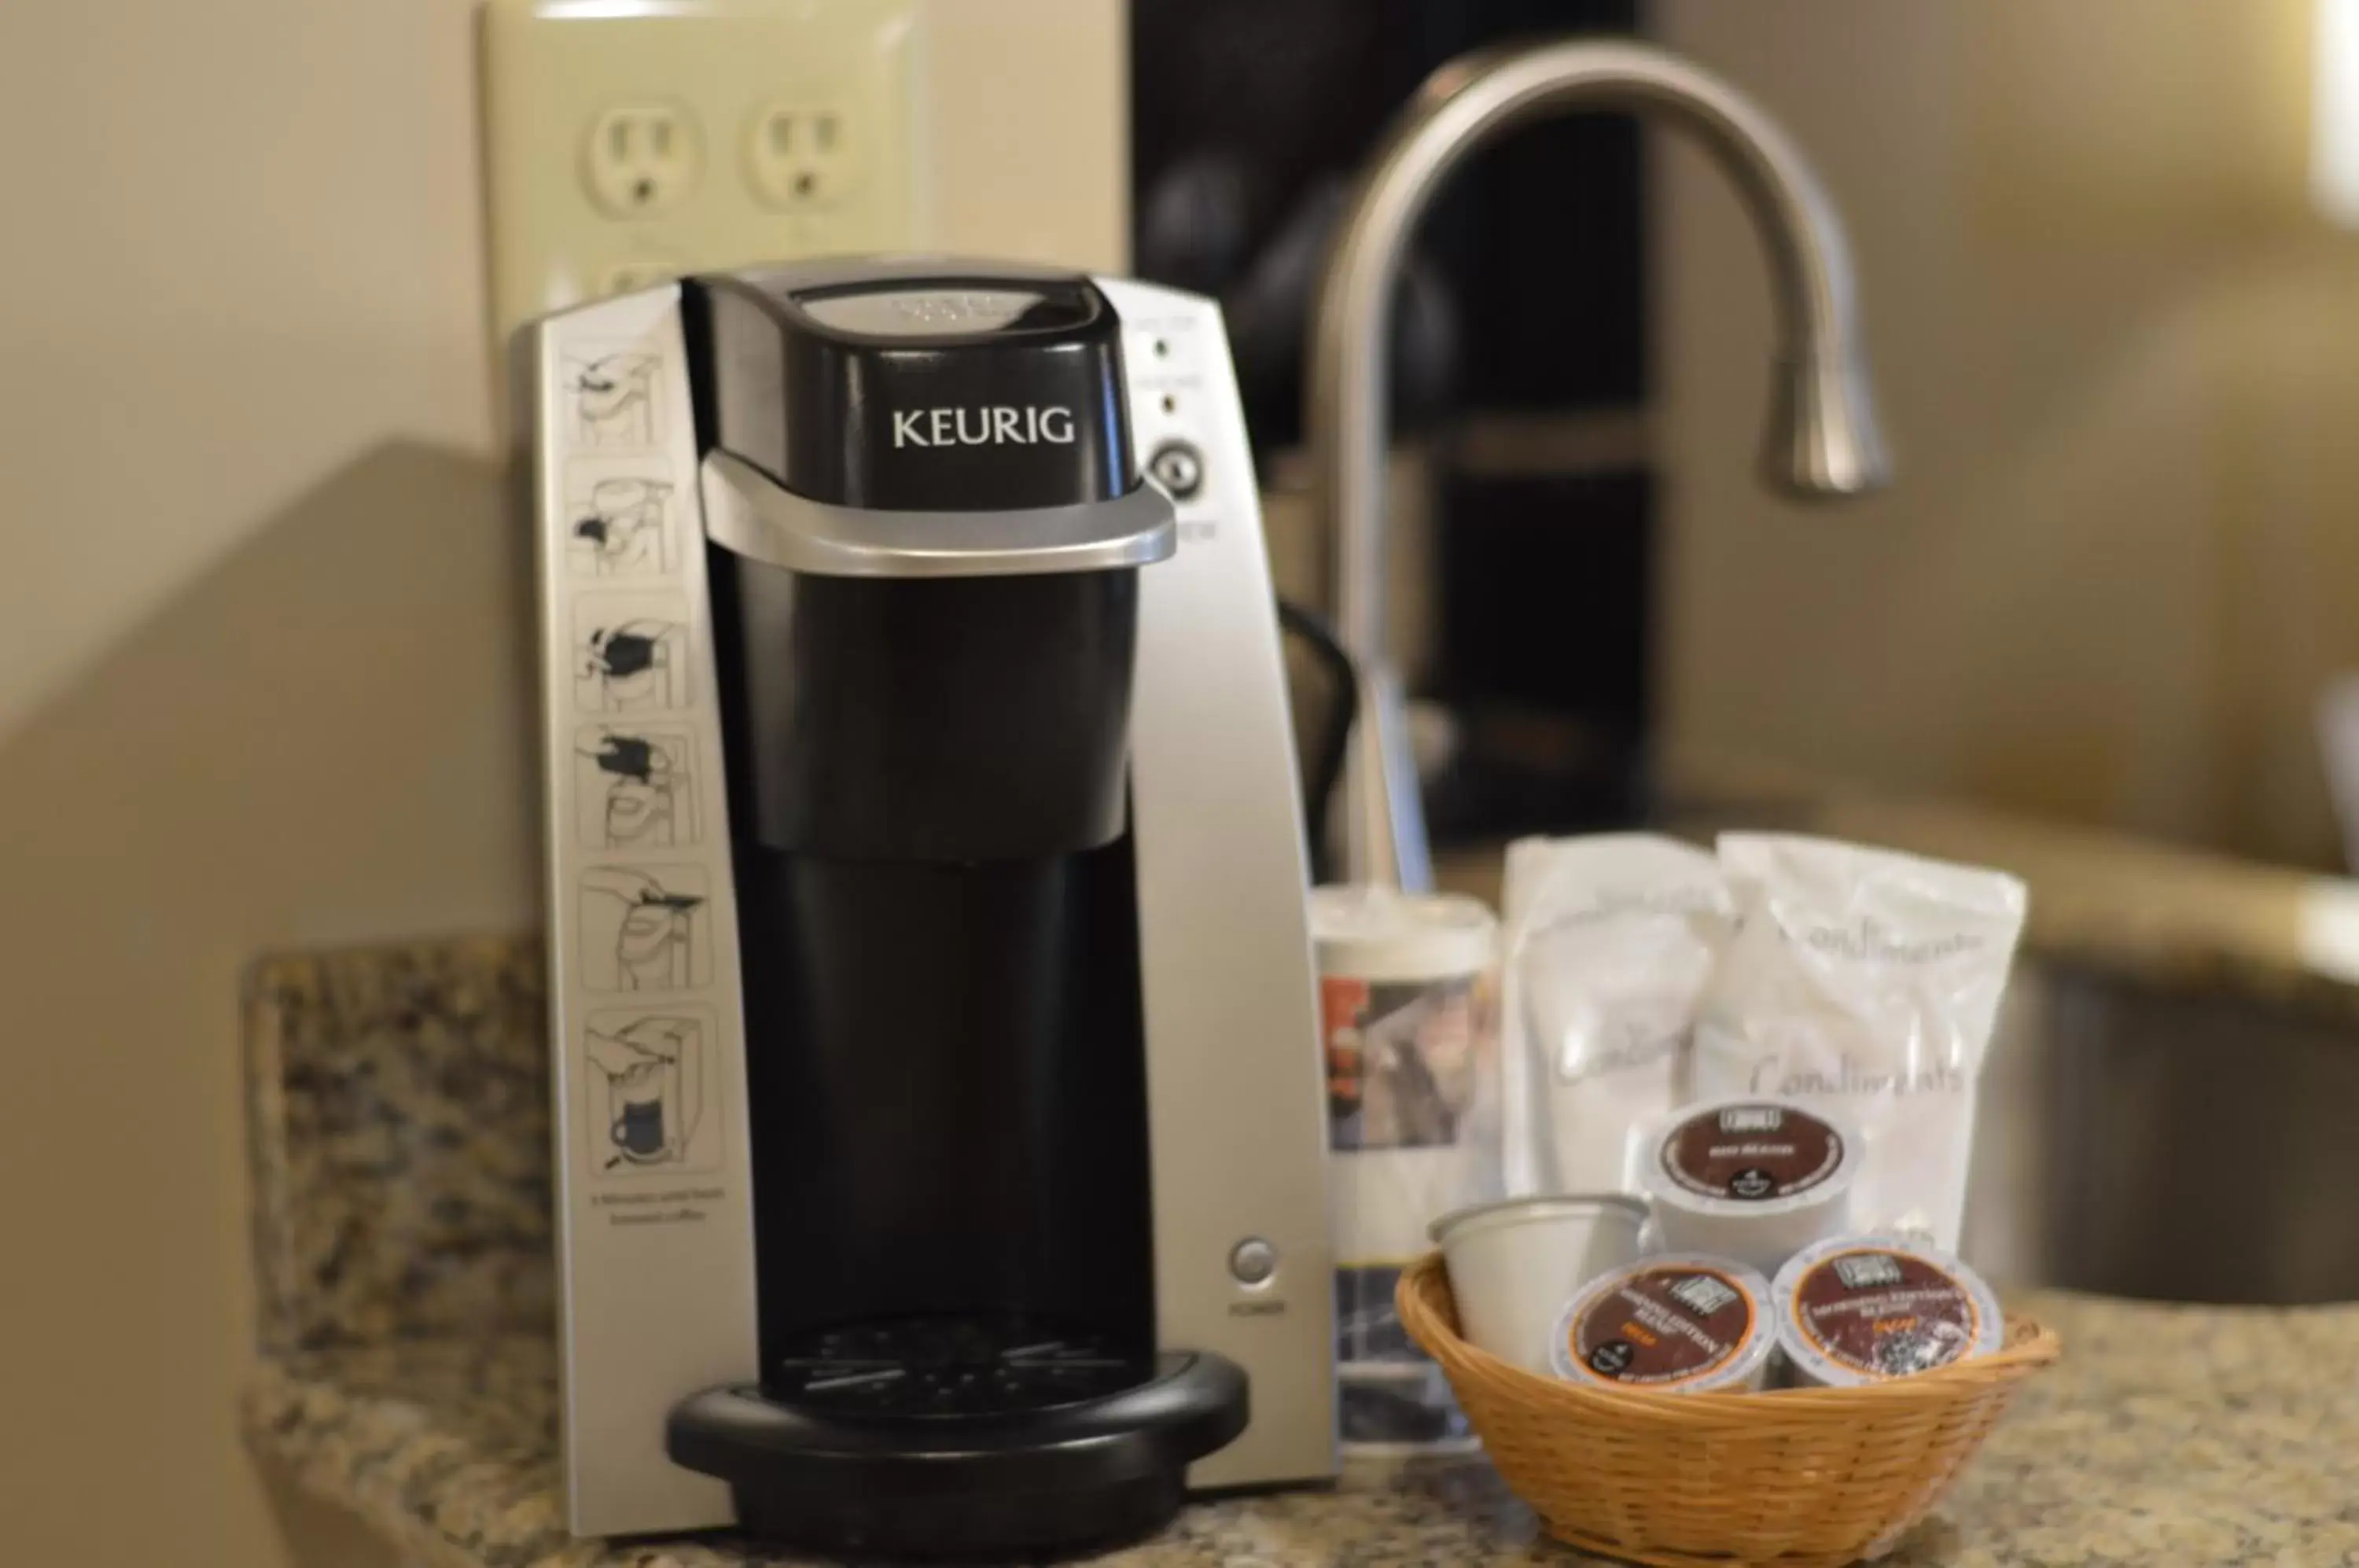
<point x="1609" y="941"/>
<point x="1865" y="981"/>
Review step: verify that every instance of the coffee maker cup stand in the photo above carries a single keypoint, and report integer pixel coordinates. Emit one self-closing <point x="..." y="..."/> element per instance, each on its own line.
<point x="1037" y="1444"/>
<point x="993" y="1221"/>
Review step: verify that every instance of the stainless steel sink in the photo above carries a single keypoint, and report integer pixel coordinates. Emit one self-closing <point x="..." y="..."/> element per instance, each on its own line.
<point x="2183" y="1147"/>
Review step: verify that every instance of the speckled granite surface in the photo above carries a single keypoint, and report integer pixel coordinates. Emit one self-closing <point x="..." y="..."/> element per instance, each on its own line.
<point x="407" y="1370"/>
<point x="2168" y="1438"/>
<point x="398" y="1114"/>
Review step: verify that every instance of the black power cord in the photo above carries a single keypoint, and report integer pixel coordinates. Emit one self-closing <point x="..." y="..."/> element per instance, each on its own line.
<point x="1326" y="762"/>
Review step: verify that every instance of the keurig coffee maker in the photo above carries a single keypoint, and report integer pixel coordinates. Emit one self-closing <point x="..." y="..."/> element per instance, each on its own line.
<point x="939" y="1118"/>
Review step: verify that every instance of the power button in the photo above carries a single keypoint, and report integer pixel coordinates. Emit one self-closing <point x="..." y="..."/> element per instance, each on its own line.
<point x="1178" y="468"/>
<point x="1251" y="1261"/>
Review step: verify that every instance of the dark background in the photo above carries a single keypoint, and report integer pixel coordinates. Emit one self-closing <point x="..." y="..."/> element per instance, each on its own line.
<point x="1523" y="301"/>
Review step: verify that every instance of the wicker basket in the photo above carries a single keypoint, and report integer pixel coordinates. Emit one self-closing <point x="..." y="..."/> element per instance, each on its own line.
<point x="1802" y="1477"/>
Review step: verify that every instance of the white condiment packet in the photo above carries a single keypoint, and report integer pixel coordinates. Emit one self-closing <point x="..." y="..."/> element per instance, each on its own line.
<point x="1866" y="981"/>
<point x="1609" y="940"/>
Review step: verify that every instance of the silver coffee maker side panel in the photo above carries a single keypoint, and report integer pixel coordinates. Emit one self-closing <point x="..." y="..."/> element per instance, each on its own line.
<point x="1236" y="1100"/>
<point x="654" y="1187"/>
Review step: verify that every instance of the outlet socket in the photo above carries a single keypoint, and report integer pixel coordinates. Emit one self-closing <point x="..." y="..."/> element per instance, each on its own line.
<point x="803" y="157"/>
<point x="626" y="276"/>
<point x="640" y="159"/>
<point x="627" y="144"/>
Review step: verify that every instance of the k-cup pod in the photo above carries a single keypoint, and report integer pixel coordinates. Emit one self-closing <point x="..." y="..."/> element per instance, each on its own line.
<point x="1866" y="1309"/>
<point x="1756" y="1179"/>
<point x="1684" y="1322"/>
<point x="1513" y="1264"/>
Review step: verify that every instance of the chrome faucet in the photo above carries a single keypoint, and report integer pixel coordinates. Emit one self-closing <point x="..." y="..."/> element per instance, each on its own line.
<point x="1823" y="440"/>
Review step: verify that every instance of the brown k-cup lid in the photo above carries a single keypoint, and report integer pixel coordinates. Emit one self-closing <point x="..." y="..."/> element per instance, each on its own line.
<point x="1678" y="1322"/>
<point x="1750" y="1154"/>
<point x="1866" y="1309"/>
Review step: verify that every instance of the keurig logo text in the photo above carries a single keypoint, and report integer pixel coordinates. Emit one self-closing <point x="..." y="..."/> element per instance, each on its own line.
<point x="996" y="426"/>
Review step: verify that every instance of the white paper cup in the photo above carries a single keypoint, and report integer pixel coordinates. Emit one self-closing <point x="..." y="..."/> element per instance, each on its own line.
<point x="1682" y="1323"/>
<point x="1756" y="1179"/>
<point x="1512" y="1265"/>
<point x="1867" y="1309"/>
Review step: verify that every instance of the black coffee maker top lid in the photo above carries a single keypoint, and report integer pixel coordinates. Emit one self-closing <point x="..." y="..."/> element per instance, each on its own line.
<point x="924" y="386"/>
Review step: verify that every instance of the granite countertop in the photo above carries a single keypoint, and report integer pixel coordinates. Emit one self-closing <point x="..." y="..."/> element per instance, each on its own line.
<point x="399" y="1124"/>
<point x="2169" y="1435"/>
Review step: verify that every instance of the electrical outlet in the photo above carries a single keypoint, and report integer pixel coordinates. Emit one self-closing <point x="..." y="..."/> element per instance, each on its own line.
<point x="625" y="144"/>
<point x="625" y="278"/>
<point x="803" y="156"/>
<point x="639" y="159"/>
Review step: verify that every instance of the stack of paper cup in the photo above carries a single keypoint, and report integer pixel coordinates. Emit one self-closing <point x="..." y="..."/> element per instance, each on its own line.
<point x="1756" y="1179"/>
<point x="1513" y="1264"/>
<point x="1406" y="1013"/>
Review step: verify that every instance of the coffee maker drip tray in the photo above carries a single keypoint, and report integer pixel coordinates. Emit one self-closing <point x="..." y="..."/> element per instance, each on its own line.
<point x="960" y="1436"/>
<point x="952" y="1367"/>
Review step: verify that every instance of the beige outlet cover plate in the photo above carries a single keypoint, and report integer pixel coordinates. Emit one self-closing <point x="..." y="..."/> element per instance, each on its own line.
<point x="628" y="143"/>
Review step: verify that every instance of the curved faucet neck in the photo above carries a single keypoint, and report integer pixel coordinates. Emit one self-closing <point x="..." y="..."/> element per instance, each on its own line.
<point x="1823" y="439"/>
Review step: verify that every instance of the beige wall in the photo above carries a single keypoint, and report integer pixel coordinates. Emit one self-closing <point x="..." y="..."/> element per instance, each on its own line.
<point x="259" y="687"/>
<point x="2120" y="365"/>
<point x="261" y="670"/>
